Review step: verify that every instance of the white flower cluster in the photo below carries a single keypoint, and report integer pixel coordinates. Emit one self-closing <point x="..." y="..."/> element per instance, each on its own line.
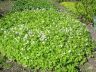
<point x="66" y="30"/>
<point x="42" y="37"/>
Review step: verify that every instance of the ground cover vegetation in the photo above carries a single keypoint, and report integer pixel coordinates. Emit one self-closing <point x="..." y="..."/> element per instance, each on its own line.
<point x="44" y="39"/>
<point x="85" y="9"/>
<point x="20" y="5"/>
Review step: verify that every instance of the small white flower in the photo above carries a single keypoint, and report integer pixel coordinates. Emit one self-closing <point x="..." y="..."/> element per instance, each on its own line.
<point x="17" y="33"/>
<point x="69" y="51"/>
<point x="25" y="37"/>
<point x="21" y="26"/>
<point x="30" y="32"/>
<point x="42" y="37"/>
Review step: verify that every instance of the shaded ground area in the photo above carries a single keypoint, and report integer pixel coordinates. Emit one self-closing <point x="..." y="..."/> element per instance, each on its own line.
<point x="90" y="66"/>
<point x="92" y="31"/>
<point x="10" y="66"/>
<point x="5" y="6"/>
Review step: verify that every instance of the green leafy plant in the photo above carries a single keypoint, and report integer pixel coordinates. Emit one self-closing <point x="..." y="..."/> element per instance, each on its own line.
<point x="67" y="0"/>
<point x="87" y="9"/>
<point x="83" y="9"/>
<point x="21" y="5"/>
<point x="3" y="63"/>
<point x="45" y="40"/>
<point x="70" y="6"/>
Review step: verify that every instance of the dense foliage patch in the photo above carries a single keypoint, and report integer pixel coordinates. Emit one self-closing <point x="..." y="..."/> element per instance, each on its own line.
<point x="87" y="9"/>
<point x="66" y="0"/>
<point x="21" y="5"/>
<point x="44" y="40"/>
<point x="70" y="6"/>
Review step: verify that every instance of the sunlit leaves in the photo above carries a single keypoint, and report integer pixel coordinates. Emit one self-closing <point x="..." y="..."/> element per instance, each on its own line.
<point x="45" y="40"/>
